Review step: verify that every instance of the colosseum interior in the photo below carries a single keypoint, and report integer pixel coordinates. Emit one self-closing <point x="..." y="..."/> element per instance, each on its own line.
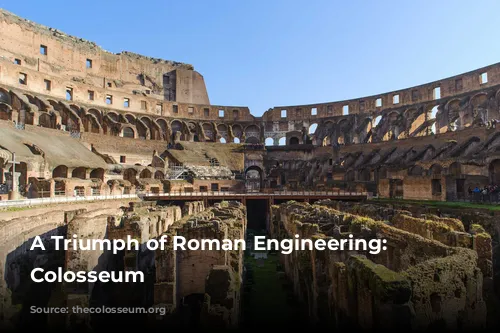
<point x="107" y="145"/>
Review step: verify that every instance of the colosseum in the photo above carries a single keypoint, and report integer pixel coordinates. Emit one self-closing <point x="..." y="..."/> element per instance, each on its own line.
<point x="104" y="145"/>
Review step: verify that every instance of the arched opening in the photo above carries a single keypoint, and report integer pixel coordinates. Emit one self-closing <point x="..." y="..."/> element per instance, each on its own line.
<point x="45" y="120"/>
<point x="364" y="175"/>
<point x="163" y="128"/>
<point x="128" y="132"/>
<point x="141" y="130"/>
<point x="455" y="169"/>
<point x="145" y="174"/>
<point x="253" y="179"/>
<point x="236" y="140"/>
<point x="269" y="142"/>
<point x="494" y="172"/>
<point x="97" y="173"/>
<point x="416" y="171"/>
<point x="435" y="170"/>
<point x="177" y="127"/>
<point x="252" y="140"/>
<point x="326" y="141"/>
<point x="282" y="141"/>
<point x="237" y="131"/>
<point x="80" y="172"/>
<point x="222" y="140"/>
<point x="252" y="131"/>
<point x="60" y="172"/>
<point x="130" y="175"/>
<point x="159" y="175"/>
<point x="5" y="112"/>
<point x="294" y="141"/>
<point x="376" y="121"/>
<point x="208" y="131"/>
<point x="341" y="139"/>
<point x="312" y="128"/>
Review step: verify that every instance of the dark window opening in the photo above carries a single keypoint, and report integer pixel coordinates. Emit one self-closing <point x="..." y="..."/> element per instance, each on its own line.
<point x="69" y="94"/>
<point x="88" y="64"/>
<point x="17" y="61"/>
<point x="91" y="95"/>
<point x="436" y="187"/>
<point x="48" y="84"/>
<point x="122" y="159"/>
<point x="43" y="50"/>
<point x="214" y="187"/>
<point x="175" y="108"/>
<point x="143" y="105"/>
<point x="23" y="78"/>
<point x="206" y="112"/>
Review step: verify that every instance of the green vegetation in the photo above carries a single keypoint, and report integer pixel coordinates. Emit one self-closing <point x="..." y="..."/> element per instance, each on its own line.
<point x="438" y="204"/>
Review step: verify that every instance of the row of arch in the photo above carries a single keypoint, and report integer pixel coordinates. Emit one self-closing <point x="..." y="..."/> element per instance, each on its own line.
<point x="421" y="119"/>
<point x="129" y="174"/>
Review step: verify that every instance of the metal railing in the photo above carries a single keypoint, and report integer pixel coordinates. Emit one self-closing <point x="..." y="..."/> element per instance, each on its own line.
<point x="62" y="199"/>
<point x="298" y="193"/>
<point x="140" y="195"/>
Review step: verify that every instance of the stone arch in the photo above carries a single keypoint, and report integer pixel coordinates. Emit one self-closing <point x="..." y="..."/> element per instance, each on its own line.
<point x="236" y="140"/>
<point x="223" y="132"/>
<point x="253" y="178"/>
<point x="282" y="141"/>
<point x="128" y="132"/>
<point x="313" y="128"/>
<point x="237" y="131"/>
<point x="46" y="120"/>
<point x="97" y="173"/>
<point x="80" y="172"/>
<point x="177" y="126"/>
<point x="208" y="130"/>
<point x="269" y="142"/>
<point x="455" y="169"/>
<point x="159" y="175"/>
<point x="222" y="140"/>
<point x="163" y="128"/>
<point x="5" y="112"/>
<point x="130" y="175"/>
<point x="293" y="141"/>
<point x="146" y="173"/>
<point x="252" y="131"/>
<point x="252" y="140"/>
<point x="415" y="170"/>
<point x="130" y="118"/>
<point x="60" y="171"/>
<point x="435" y="170"/>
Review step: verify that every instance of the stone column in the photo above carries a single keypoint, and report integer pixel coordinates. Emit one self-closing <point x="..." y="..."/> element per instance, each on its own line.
<point x="52" y="188"/>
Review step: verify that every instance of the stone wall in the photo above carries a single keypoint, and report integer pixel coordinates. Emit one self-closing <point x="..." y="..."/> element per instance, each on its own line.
<point x="215" y="274"/>
<point x="416" y="283"/>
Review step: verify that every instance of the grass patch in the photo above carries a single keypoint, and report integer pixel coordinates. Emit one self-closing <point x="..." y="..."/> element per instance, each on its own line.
<point x="267" y="299"/>
<point x="438" y="204"/>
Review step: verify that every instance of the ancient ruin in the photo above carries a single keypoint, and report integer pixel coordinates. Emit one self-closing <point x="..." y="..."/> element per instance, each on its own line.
<point x="106" y="146"/>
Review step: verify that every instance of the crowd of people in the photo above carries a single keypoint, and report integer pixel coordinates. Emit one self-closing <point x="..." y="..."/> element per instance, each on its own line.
<point x="486" y="193"/>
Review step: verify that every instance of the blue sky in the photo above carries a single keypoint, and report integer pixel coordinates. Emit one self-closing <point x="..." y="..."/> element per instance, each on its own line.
<point x="265" y="53"/>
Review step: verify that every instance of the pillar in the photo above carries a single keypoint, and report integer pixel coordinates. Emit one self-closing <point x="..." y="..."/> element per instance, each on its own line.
<point x="52" y="188"/>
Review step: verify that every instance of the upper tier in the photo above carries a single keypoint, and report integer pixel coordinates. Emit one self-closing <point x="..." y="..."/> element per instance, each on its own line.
<point x="48" y="62"/>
